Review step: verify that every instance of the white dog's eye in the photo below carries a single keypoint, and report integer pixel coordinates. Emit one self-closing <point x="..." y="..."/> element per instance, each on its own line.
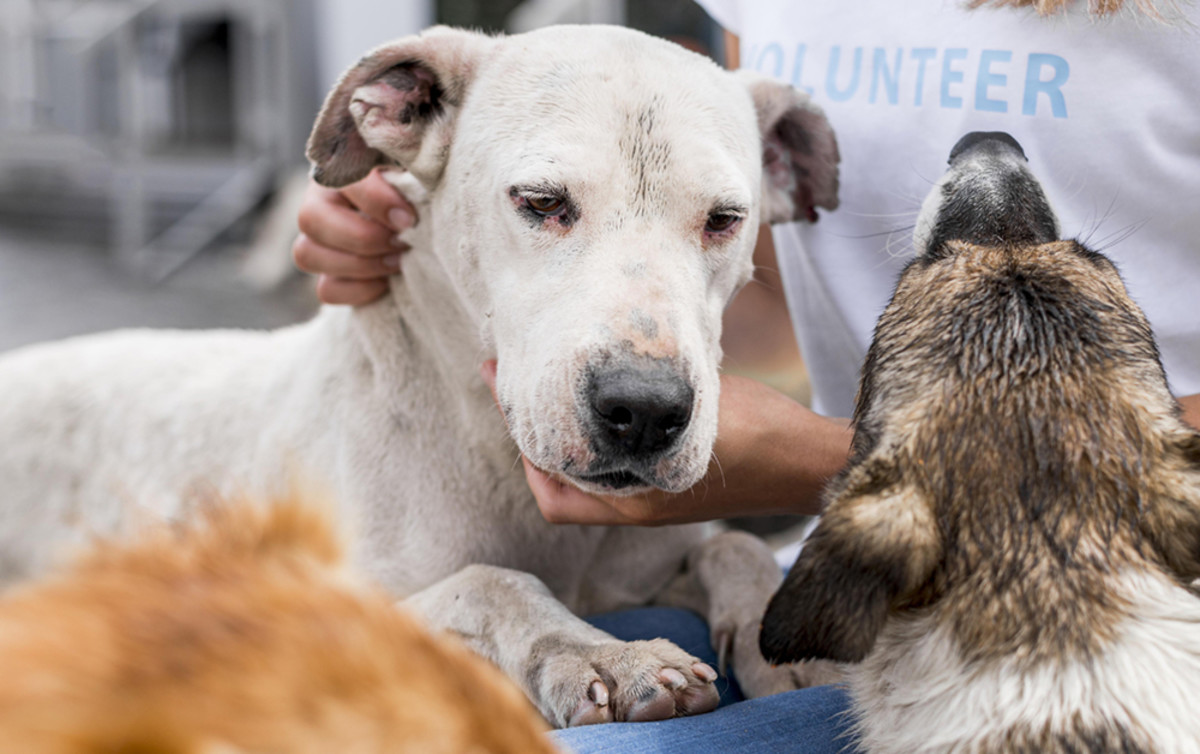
<point x="547" y="206"/>
<point x="718" y="222"/>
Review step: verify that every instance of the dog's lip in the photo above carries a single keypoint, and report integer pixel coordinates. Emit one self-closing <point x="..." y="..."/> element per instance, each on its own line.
<point x="622" y="479"/>
<point x="619" y="481"/>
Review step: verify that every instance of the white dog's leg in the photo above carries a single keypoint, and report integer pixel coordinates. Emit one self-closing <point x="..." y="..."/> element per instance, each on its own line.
<point x="730" y="579"/>
<point x="576" y="674"/>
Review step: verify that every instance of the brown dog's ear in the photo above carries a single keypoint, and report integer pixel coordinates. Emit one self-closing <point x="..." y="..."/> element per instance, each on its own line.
<point x="800" y="153"/>
<point x="396" y="107"/>
<point x="872" y="549"/>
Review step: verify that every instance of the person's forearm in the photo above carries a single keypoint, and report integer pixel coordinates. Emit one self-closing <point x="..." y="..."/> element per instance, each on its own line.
<point x="1191" y="409"/>
<point x="780" y="454"/>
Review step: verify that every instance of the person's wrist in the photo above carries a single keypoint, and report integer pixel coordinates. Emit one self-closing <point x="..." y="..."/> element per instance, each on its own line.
<point x="783" y="451"/>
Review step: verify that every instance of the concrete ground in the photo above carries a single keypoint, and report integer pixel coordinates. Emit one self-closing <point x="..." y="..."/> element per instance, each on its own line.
<point x="51" y="290"/>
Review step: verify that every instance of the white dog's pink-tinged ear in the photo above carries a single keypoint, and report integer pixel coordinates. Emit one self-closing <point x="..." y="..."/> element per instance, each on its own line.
<point x="396" y="106"/>
<point x="800" y="153"/>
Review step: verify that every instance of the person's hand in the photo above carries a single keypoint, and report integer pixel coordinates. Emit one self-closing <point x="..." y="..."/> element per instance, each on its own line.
<point x="348" y="238"/>
<point x="1191" y="409"/>
<point x="772" y="456"/>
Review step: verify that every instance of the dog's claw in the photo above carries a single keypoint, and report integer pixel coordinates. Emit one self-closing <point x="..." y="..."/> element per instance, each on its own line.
<point x="627" y="681"/>
<point x="704" y="672"/>
<point x="594" y="709"/>
<point x="598" y="693"/>
<point x="673" y="679"/>
<point x="723" y="642"/>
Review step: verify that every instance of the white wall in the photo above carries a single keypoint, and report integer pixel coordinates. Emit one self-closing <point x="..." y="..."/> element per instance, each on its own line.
<point x="345" y="29"/>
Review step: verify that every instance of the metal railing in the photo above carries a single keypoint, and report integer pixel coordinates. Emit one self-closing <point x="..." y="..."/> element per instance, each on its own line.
<point x="90" y="106"/>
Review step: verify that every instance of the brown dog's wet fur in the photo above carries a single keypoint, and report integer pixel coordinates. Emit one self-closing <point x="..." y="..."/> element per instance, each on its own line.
<point x="241" y="634"/>
<point x="1017" y="454"/>
<point x="1032" y="382"/>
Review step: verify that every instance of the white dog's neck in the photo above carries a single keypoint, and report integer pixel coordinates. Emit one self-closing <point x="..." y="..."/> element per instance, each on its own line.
<point x="431" y="304"/>
<point x="425" y="323"/>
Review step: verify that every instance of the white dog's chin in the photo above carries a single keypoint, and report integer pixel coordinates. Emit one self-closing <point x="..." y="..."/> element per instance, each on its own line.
<point x="629" y="484"/>
<point x="617" y="483"/>
<point x="619" y="489"/>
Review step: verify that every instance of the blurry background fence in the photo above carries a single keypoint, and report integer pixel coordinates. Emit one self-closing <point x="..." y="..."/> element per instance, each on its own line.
<point x="152" y="128"/>
<point x="152" y="124"/>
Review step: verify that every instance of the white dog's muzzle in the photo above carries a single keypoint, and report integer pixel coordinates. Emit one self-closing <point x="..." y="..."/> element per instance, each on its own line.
<point x="636" y="410"/>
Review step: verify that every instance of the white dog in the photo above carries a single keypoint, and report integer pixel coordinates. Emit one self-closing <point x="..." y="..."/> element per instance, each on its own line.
<point x="589" y="201"/>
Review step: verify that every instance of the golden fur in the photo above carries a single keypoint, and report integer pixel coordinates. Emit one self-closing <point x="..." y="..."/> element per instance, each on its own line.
<point x="242" y="633"/>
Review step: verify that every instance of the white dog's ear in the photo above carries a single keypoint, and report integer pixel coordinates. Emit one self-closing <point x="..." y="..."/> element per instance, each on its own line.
<point x="800" y="153"/>
<point x="397" y="106"/>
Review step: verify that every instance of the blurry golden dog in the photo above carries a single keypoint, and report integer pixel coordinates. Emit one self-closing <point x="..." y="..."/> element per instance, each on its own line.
<point x="242" y="633"/>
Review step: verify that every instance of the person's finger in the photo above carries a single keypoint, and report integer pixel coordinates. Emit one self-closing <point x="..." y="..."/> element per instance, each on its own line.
<point x="379" y="200"/>
<point x="333" y="290"/>
<point x="316" y="259"/>
<point x="330" y="220"/>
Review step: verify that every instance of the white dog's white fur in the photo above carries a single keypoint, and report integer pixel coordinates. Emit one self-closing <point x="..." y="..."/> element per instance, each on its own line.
<point x="385" y="405"/>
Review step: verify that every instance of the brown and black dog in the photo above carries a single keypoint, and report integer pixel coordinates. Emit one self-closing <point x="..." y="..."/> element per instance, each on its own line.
<point x="242" y="634"/>
<point x="1009" y="552"/>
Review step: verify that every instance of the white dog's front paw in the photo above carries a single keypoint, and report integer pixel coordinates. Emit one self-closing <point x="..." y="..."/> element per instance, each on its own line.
<point x="755" y="675"/>
<point x="578" y="684"/>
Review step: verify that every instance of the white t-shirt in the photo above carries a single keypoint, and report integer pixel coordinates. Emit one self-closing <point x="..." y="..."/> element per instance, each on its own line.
<point x="1108" y="112"/>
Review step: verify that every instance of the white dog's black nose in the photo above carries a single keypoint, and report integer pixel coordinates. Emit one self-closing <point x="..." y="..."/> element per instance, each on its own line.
<point x="639" y="410"/>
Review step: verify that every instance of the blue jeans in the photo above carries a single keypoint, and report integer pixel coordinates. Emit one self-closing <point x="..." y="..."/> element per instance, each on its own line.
<point x="808" y="721"/>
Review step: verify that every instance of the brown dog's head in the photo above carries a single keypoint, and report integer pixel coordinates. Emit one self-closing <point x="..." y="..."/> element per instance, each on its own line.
<point x="1015" y="440"/>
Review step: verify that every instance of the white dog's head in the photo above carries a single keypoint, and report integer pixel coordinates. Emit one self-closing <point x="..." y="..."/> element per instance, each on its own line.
<point x="596" y="194"/>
